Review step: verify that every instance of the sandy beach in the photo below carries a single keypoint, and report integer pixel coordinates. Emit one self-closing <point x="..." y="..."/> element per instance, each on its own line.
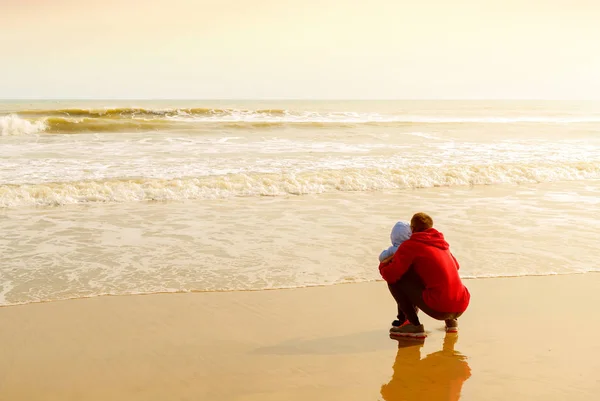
<point x="528" y="338"/>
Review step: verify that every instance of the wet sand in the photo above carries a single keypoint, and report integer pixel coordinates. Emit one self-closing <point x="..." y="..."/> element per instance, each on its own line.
<point x="528" y="338"/>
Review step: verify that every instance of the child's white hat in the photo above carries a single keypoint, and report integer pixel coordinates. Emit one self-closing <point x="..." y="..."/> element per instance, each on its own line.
<point x="400" y="233"/>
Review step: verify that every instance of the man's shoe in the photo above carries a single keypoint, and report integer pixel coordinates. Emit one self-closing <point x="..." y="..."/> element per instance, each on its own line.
<point x="409" y="330"/>
<point x="451" y="326"/>
<point x="398" y="323"/>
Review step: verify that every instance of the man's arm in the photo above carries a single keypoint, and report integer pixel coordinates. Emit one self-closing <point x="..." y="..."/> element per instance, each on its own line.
<point x="400" y="263"/>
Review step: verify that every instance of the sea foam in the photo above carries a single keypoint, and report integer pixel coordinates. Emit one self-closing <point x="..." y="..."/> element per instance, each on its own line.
<point x="273" y="184"/>
<point x="13" y="125"/>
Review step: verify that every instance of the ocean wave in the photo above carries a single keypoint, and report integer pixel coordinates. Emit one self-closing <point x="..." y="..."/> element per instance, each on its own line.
<point x="61" y="125"/>
<point x="138" y="112"/>
<point x="288" y="183"/>
<point x="142" y="119"/>
<point x="66" y="125"/>
<point x="12" y="125"/>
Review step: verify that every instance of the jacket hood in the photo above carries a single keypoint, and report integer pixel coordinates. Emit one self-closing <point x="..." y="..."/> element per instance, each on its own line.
<point x="431" y="237"/>
<point x="400" y="233"/>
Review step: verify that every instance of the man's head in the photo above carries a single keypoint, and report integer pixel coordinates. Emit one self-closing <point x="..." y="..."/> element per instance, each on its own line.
<point x="420" y="222"/>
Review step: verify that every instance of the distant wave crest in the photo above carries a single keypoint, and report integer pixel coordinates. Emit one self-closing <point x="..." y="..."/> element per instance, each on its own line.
<point x="134" y="119"/>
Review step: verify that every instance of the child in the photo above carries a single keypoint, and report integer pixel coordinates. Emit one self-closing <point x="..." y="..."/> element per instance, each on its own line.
<point x="400" y="233"/>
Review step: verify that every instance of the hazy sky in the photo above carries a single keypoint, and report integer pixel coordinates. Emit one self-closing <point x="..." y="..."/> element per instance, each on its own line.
<point x="300" y="49"/>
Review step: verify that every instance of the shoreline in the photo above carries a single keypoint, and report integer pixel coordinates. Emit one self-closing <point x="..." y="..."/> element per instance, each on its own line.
<point x="468" y="279"/>
<point x="518" y="340"/>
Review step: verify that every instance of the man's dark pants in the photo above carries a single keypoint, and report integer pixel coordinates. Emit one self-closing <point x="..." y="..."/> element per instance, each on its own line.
<point x="408" y="293"/>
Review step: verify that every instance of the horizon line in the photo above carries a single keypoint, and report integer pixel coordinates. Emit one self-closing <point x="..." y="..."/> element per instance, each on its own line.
<point x="289" y="99"/>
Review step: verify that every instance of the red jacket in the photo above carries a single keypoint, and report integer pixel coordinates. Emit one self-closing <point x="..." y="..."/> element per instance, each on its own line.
<point x="428" y="253"/>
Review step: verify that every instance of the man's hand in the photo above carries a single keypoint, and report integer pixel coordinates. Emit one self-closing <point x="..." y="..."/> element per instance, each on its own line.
<point x="387" y="260"/>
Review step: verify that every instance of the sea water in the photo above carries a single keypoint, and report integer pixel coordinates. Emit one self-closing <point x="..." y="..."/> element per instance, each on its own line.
<point x="123" y="197"/>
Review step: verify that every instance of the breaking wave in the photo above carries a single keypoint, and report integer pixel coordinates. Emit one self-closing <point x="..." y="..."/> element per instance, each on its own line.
<point x="75" y="120"/>
<point x="12" y="125"/>
<point x="138" y="112"/>
<point x="271" y="184"/>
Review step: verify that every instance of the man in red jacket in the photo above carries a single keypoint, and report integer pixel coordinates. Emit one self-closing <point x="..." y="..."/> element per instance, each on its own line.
<point x="423" y="274"/>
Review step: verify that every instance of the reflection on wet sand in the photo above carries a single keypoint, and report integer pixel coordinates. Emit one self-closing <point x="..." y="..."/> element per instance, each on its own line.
<point x="439" y="376"/>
